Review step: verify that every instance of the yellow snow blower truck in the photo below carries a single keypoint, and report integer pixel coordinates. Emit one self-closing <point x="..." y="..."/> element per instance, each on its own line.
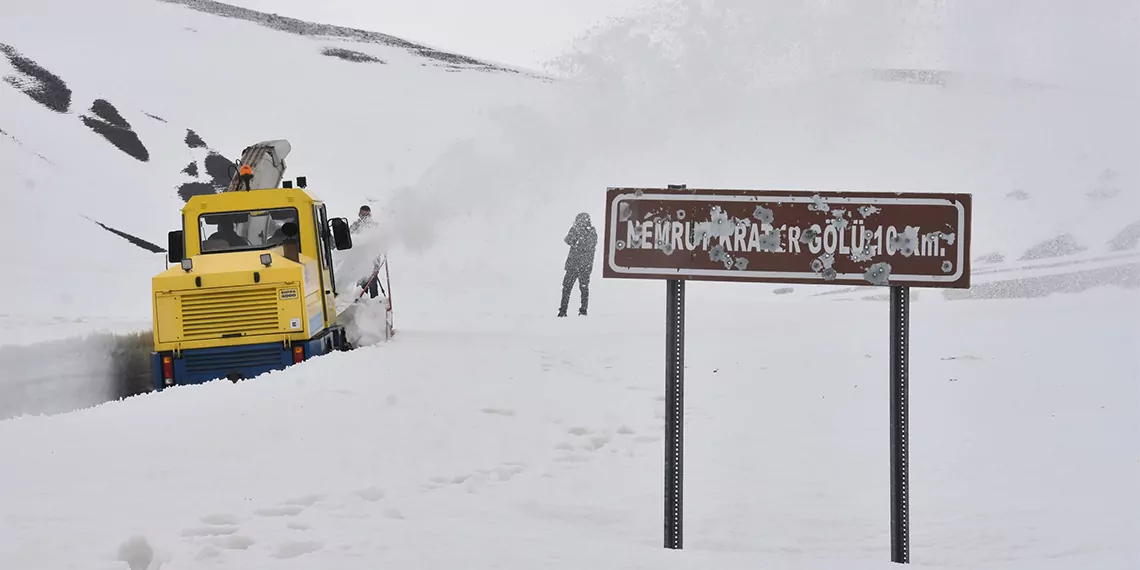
<point x="252" y="287"/>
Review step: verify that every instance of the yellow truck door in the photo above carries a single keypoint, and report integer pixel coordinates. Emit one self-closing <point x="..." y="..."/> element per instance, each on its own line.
<point x="327" y="272"/>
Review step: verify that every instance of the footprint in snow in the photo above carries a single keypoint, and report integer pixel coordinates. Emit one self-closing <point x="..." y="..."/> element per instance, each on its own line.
<point x="370" y="494"/>
<point x="597" y="442"/>
<point x="210" y="531"/>
<point x="460" y="479"/>
<point x="219" y="519"/>
<point x="504" y="472"/>
<point x="136" y="552"/>
<point x="234" y="542"/>
<point x="498" y="411"/>
<point x="294" y="549"/>
<point x="207" y="552"/>
<point x="279" y="511"/>
<point x="307" y="500"/>
<point x="213" y="550"/>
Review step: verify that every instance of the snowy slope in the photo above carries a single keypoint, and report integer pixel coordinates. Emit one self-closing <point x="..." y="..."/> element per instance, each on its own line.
<point x="489" y="433"/>
<point x="366" y="117"/>
<point x="517" y="31"/>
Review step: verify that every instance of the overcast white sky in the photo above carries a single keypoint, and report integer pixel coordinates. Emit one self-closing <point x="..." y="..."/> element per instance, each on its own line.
<point x="518" y="32"/>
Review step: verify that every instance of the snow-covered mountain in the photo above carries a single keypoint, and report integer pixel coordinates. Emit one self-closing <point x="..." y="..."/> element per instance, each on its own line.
<point x="144" y="116"/>
<point x="488" y="421"/>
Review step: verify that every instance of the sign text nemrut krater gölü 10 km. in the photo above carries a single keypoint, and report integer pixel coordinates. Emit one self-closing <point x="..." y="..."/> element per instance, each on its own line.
<point x="874" y="239"/>
<point x="785" y="236"/>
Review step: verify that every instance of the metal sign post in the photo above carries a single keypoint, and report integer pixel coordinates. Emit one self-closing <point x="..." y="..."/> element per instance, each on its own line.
<point x="899" y="399"/>
<point x="674" y="410"/>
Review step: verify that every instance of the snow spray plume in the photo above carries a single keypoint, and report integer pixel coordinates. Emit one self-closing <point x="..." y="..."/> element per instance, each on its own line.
<point x="822" y="94"/>
<point x="457" y="183"/>
<point x="357" y="263"/>
<point x="714" y="45"/>
<point x="515" y="167"/>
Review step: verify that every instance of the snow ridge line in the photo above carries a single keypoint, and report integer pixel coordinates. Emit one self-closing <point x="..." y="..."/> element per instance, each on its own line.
<point x="304" y="28"/>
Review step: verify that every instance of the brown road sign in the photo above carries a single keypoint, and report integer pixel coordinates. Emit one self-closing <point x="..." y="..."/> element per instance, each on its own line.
<point x="788" y="236"/>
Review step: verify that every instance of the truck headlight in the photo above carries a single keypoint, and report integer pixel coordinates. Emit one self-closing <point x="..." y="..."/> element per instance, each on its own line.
<point x="187" y="265"/>
<point x="266" y="259"/>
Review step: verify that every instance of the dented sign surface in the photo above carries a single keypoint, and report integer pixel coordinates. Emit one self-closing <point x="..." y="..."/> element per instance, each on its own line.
<point x="788" y="236"/>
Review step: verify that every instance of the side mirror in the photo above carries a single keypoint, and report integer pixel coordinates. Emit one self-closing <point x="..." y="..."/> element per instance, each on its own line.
<point x="342" y="237"/>
<point x="174" y="248"/>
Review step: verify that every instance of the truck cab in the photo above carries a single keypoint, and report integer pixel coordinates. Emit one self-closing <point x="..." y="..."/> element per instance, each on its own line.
<point x="252" y="287"/>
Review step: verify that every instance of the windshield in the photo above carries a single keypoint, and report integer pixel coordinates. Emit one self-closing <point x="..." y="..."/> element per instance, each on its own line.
<point x="242" y="231"/>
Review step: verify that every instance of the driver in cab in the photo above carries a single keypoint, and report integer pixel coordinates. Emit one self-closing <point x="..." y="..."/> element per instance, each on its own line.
<point x="227" y="234"/>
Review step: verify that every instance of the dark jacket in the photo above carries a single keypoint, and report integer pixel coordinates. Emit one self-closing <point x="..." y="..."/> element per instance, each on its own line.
<point x="583" y="240"/>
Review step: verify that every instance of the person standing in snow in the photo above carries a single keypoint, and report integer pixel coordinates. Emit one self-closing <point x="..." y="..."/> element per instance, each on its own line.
<point x="583" y="241"/>
<point x="364" y="220"/>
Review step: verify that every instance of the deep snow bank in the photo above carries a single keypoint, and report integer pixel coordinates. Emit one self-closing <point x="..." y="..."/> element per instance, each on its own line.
<point x="73" y="373"/>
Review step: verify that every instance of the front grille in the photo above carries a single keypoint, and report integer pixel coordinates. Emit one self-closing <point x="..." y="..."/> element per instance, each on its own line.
<point x="216" y="362"/>
<point x="220" y="314"/>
